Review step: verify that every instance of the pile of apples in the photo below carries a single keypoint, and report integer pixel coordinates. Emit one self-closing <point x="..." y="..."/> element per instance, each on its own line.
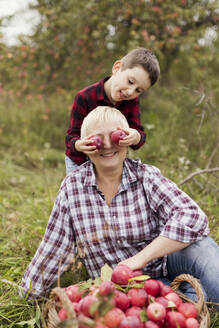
<point x="128" y="299"/>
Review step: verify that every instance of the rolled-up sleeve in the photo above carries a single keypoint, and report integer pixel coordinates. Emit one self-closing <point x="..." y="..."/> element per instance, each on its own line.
<point x="179" y="217"/>
<point x="55" y="253"/>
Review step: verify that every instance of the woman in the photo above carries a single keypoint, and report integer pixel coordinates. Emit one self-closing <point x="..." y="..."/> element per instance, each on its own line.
<point x="113" y="209"/>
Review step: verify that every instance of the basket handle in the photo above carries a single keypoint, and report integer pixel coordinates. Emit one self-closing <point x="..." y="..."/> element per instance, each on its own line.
<point x="194" y="282"/>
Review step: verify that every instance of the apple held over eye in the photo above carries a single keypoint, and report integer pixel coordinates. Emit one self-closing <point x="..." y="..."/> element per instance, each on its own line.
<point x="97" y="142"/>
<point x="117" y="135"/>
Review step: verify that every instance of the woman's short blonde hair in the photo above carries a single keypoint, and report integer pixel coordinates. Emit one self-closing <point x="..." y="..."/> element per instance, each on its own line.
<point x="102" y="114"/>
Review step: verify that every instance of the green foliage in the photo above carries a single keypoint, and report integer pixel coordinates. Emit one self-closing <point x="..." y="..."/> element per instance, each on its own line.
<point x="77" y="42"/>
<point x="40" y="121"/>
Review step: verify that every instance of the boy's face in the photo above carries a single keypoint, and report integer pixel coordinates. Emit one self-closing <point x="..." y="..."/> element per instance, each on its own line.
<point x="128" y="83"/>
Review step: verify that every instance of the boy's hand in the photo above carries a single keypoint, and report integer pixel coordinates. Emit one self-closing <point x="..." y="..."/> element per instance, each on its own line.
<point x="133" y="137"/>
<point x="83" y="145"/>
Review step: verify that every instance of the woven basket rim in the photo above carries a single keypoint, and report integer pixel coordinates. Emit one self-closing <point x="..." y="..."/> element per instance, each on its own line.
<point x="204" y="316"/>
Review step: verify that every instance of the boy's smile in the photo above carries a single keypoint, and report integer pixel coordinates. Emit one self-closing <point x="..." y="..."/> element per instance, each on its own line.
<point x="126" y="84"/>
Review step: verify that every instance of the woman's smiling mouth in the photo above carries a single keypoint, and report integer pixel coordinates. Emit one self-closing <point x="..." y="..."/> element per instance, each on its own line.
<point x="108" y="154"/>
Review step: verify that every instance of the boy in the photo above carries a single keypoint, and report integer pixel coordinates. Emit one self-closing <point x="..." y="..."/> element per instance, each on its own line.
<point x="131" y="76"/>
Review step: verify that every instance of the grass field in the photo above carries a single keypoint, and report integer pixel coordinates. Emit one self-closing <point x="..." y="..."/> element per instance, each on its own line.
<point x="30" y="176"/>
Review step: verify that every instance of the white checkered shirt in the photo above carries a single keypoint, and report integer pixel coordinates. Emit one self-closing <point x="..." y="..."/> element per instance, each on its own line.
<point x="146" y="205"/>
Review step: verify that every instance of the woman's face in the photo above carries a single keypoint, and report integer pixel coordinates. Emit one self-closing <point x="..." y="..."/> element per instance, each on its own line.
<point x="111" y="156"/>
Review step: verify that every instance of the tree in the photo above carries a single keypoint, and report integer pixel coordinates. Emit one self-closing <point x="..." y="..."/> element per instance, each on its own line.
<point x="76" y="42"/>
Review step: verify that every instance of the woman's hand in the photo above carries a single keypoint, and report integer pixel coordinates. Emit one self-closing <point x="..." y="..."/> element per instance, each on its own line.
<point x="159" y="247"/>
<point x="135" y="262"/>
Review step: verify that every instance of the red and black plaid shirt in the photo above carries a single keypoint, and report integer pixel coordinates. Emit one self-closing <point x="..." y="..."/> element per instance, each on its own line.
<point x="88" y="99"/>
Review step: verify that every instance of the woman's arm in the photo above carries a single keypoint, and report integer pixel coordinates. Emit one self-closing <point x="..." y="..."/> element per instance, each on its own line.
<point x="55" y="252"/>
<point x="159" y="247"/>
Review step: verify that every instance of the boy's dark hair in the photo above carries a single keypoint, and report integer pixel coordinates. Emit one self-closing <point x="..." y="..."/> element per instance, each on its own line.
<point x="145" y="58"/>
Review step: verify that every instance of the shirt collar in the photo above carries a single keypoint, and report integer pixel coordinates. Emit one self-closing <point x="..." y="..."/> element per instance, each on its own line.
<point x="129" y="174"/>
<point x="101" y="94"/>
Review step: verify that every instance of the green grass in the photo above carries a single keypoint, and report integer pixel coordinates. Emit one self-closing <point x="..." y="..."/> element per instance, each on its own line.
<point x="26" y="199"/>
<point x="31" y="169"/>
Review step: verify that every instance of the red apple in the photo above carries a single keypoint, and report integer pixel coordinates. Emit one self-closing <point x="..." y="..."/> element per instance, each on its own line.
<point x="62" y="314"/>
<point x="106" y="287"/>
<point x="137" y="273"/>
<point x="97" y="142"/>
<point x="175" y="320"/>
<point x="165" y="290"/>
<point x="137" y="296"/>
<point x="117" y="135"/>
<point x="156" y="311"/>
<point x="113" y="318"/>
<point x="133" y="311"/>
<point x="73" y="293"/>
<point x="100" y="325"/>
<point x="162" y="300"/>
<point x="150" y="324"/>
<point x="152" y="287"/>
<point x="121" y="274"/>
<point x="122" y="300"/>
<point x="173" y="297"/>
<point x="188" y="310"/>
<point x="192" y="323"/>
<point x="131" y="322"/>
<point x="85" y="305"/>
<point x="76" y="307"/>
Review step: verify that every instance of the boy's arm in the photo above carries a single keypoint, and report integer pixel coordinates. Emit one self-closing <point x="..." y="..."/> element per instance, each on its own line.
<point x="135" y="123"/>
<point x="78" y="113"/>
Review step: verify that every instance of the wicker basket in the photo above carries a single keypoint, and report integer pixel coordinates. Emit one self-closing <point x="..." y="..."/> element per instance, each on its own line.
<point x="204" y="317"/>
<point x="58" y="299"/>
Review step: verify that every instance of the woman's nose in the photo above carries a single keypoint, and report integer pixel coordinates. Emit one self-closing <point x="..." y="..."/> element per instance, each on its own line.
<point x="107" y="141"/>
